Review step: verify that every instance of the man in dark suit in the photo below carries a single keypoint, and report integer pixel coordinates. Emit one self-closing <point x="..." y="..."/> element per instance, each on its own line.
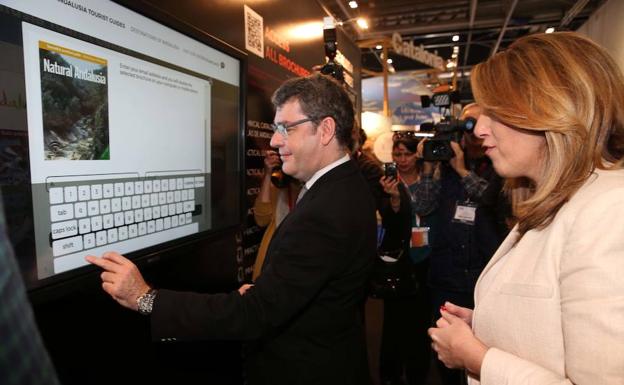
<point x="303" y="315"/>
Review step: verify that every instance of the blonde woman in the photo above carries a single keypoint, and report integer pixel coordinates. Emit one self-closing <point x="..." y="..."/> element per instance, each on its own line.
<point x="550" y="304"/>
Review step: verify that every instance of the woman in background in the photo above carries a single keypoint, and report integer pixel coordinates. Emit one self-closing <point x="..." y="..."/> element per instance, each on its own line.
<point x="277" y="196"/>
<point x="405" y="350"/>
<point x="549" y="307"/>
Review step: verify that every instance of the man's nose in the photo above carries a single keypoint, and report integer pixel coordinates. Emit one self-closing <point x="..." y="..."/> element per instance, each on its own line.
<point x="277" y="140"/>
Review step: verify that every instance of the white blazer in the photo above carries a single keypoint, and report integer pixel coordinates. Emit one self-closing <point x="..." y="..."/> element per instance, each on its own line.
<point x="551" y="307"/>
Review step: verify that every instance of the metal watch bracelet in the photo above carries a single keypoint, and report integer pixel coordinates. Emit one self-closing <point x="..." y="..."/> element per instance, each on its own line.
<point x="145" y="302"/>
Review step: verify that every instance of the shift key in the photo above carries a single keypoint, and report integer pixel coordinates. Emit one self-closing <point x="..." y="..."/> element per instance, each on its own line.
<point x="67" y="246"/>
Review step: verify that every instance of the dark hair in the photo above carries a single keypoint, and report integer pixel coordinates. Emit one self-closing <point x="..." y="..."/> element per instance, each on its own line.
<point x="409" y="142"/>
<point x="319" y="97"/>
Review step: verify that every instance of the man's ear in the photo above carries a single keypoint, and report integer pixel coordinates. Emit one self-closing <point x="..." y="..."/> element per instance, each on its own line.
<point x="328" y="130"/>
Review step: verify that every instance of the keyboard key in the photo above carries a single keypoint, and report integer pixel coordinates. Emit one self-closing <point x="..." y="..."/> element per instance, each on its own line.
<point x="129" y="188"/>
<point x="67" y="246"/>
<point x="108" y="190"/>
<point x="181" y="219"/>
<point x="164" y="185"/>
<point x="191" y="194"/>
<point x="138" y="187"/>
<point x="71" y="193"/>
<point x="145" y="200"/>
<point x="189" y="217"/>
<point x="136" y="201"/>
<point x="112" y="235"/>
<point x="64" y="229"/>
<point x="105" y="206"/>
<point x="156" y="212"/>
<point x="151" y="226"/>
<point x="96" y="223"/>
<point x="167" y="223"/>
<point x="156" y="185"/>
<point x="189" y="182"/>
<point x="119" y="189"/>
<point x="199" y="181"/>
<point x="179" y="184"/>
<point x="184" y="195"/>
<point x="129" y="217"/>
<point x="162" y="198"/>
<point x="96" y="191"/>
<point x="115" y="204"/>
<point x="93" y="207"/>
<point x="179" y="208"/>
<point x="80" y="209"/>
<point x="119" y="219"/>
<point x="126" y="203"/>
<point x="84" y="225"/>
<point x="174" y="221"/>
<point x="89" y="241"/>
<point x="147" y="213"/>
<point x="153" y="199"/>
<point x="172" y="184"/>
<point x="170" y="197"/>
<point x="159" y="224"/>
<point x="138" y="215"/>
<point x="107" y="221"/>
<point x="133" y="231"/>
<point x="123" y="233"/>
<point x="56" y="195"/>
<point x="147" y="187"/>
<point x="164" y="210"/>
<point x="142" y="228"/>
<point x="101" y="238"/>
<point x="84" y="193"/>
<point x="177" y="196"/>
<point x="61" y="212"/>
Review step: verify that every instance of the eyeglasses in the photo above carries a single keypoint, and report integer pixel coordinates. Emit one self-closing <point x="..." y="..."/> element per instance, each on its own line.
<point x="284" y="128"/>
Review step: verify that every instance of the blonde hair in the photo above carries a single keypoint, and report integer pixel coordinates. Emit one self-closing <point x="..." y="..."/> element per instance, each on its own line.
<point x="569" y="88"/>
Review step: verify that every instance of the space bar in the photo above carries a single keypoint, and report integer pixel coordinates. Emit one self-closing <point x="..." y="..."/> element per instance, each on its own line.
<point x="73" y="261"/>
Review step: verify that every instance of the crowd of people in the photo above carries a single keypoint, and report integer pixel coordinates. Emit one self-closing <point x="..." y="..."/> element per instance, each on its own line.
<point x="513" y="246"/>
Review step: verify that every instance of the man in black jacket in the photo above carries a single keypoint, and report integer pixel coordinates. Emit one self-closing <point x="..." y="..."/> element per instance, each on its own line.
<point x="302" y="316"/>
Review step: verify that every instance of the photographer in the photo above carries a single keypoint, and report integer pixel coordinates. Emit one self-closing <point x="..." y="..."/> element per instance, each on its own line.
<point x="277" y="196"/>
<point x="470" y="224"/>
<point x="404" y="347"/>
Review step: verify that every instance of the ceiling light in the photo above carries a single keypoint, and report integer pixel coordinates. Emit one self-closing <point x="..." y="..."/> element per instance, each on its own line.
<point x="378" y="46"/>
<point x="454" y="56"/>
<point x="389" y="61"/>
<point x="362" y="23"/>
<point x="455" y="37"/>
<point x="550" y="30"/>
<point x="353" y="4"/>
<point x="456" y="49"/>
<point x="450" y="64"/>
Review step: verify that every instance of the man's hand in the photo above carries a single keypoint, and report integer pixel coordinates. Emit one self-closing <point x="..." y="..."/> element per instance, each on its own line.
<point x="243" y="289"/>
<point x="121" y="278"/>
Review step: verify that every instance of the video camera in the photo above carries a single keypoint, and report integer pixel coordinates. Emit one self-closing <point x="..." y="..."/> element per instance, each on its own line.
<point x="330" y="40"/>
<point x="447" y="130"/>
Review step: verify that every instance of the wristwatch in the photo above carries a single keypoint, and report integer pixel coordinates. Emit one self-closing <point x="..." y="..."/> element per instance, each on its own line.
<point x="145" y="302"/>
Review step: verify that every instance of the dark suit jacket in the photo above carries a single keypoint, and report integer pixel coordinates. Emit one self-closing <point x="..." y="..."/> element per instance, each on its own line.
<point x="303" y="316"/>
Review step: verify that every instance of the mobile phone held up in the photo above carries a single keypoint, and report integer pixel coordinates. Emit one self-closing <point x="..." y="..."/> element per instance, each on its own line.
<point x="390" y="170"/>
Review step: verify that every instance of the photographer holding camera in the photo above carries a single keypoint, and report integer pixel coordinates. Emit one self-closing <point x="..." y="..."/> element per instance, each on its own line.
<point x="470" y="222"/>
<point x="277" y="196"/>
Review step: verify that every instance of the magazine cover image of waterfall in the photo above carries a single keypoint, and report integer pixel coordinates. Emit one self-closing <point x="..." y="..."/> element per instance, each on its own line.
<point x="74" y="93"/>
